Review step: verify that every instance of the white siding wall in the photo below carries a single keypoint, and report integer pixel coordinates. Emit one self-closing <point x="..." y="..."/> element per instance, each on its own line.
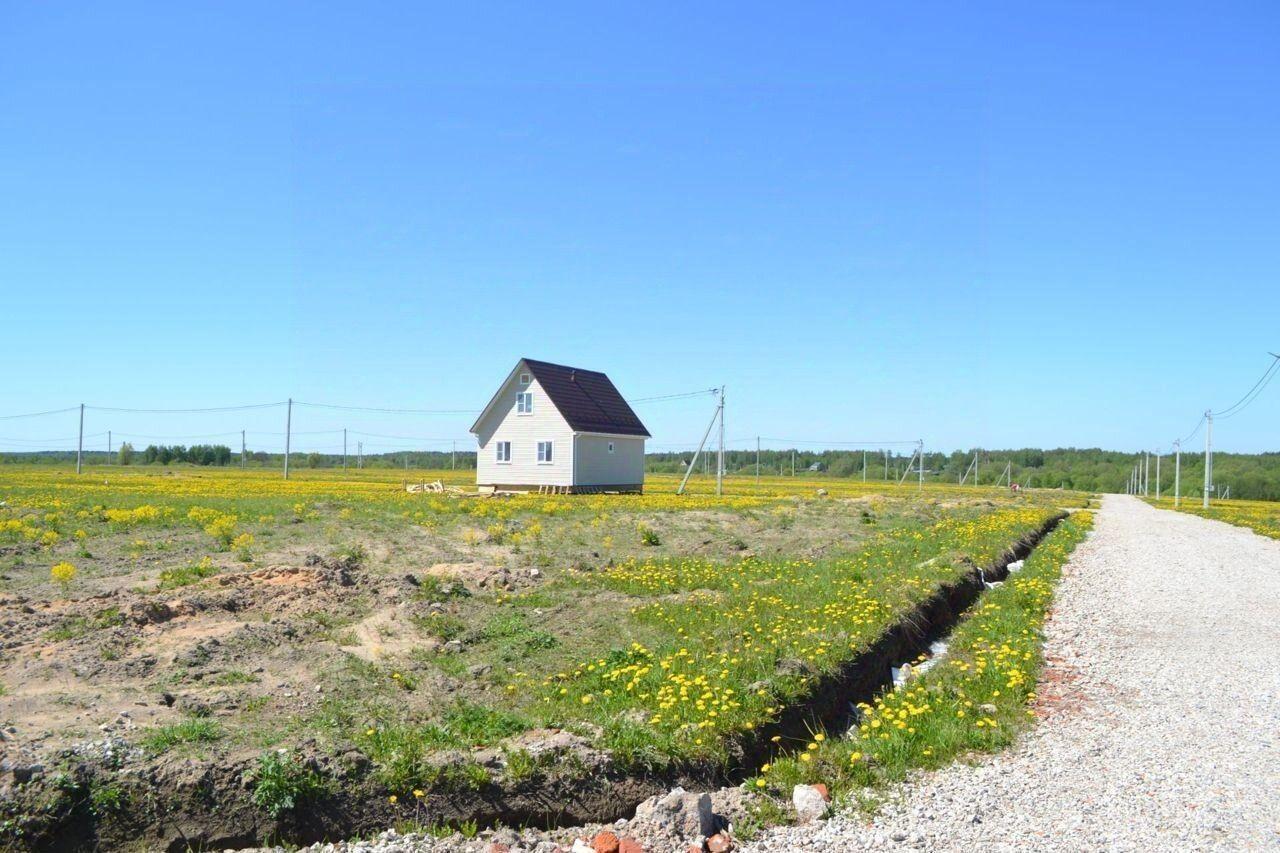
<point x="524" y="432"/>
<point x="596" y="466"/>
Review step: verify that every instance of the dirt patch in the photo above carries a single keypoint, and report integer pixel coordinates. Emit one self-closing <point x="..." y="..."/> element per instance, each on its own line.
<point x="387" y="634"/>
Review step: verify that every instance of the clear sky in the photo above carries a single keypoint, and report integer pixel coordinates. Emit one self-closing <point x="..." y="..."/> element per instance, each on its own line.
<point x="981" y="224"/>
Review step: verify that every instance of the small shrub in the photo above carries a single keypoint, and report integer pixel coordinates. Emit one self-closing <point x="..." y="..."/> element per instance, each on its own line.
<point x="107" y="799"/>
<point x="281" y="783"/>
<point x="63" y="574"/>
<point x="352" y="555"/>
<point x="648" y="536"/>
<point x="241" y="545"/>
<point x="186" y="575"/>
<point x="521" y="766"/>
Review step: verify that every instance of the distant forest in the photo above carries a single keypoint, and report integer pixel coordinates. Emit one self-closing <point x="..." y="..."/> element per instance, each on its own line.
<point x="1253" y="476"/>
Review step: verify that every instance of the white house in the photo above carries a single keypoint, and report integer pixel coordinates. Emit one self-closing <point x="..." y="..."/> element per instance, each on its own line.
<point x="557" y="428"/>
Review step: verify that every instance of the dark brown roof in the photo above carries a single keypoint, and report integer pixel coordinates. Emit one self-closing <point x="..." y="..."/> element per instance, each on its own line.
<point x="586" y="399"/>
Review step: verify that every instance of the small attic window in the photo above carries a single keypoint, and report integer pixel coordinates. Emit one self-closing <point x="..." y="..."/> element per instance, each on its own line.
<point x="524" y="379"/>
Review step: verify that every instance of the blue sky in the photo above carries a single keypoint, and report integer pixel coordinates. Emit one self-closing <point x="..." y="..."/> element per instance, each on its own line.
<point x="996" y="225"/>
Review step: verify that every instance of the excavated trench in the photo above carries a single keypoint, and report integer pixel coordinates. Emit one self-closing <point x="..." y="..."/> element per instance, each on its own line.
<point x="217" y="812"/>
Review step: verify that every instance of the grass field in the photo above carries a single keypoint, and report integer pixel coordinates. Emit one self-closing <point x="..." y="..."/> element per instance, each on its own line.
<point x="1263" y="517"/>
<point x="223" y="616"/>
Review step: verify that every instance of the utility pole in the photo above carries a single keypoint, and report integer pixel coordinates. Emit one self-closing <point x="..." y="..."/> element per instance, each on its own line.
<point x="716" y="415"/>
<point x="1146" y="473"/>
<point x="344" y="448"/>
<point x="1208" y="458"/>
<point x="864" y="466"/>
<point x="288" y="428"/>
<point x="80" y="444"/>
<point x="793" y="464"/>
<point x="920" y="481"/>
<point x="757" y="460"/>
<point x="886" y="464"/>
<point x="1157" y="476"/>
<point x="359" y="454"/>
<point x="1177" y="473"/>
<point x="243" y="454"/>
<point x="975" y="467"/>
<point x="720" y="458"/>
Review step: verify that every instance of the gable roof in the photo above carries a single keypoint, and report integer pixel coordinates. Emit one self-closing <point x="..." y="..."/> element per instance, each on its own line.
<point x="586" y="399"/>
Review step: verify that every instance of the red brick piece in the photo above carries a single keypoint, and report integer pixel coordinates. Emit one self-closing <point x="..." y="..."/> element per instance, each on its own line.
<point x="605" y="842"/>
<point x="719" y="843"/>
<point x="822" y="789"/>
<point x="630" y="845"/>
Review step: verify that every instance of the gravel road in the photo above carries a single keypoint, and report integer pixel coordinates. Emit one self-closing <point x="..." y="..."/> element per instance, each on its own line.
<point x="1161" y="704"/>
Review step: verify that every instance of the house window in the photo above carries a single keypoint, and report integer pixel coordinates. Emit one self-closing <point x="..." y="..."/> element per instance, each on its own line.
<point x="544" y="451"/>
<point x="611" y="447"/>
<point x="524" y="403"/>
<point x="503" y="451"/>
<point x="524" y="379"/>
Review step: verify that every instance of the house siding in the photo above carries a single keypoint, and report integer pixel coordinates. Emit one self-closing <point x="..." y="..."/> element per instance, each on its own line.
<point x="596" y="466"/>
<point x="524" y="431"/>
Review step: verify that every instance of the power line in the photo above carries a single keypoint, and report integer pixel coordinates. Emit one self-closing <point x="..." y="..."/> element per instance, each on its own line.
<point x="1193" y="432"/>
<point x="47" y="440"/>
<point x="39" y="414"/>
<point x="1254" y="392"/>
<point x="683" y="396"/>
<point x="844" y="443"/>
<point x="170" y="437"/>
<point x="183" y="411"/>
<point x="387" y="411"/>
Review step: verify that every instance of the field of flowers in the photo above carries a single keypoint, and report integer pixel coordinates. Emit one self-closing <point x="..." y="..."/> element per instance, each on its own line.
<point x="1262" y="517"/>
<point x="742" y="640"/>
<point x="337" y="612"/>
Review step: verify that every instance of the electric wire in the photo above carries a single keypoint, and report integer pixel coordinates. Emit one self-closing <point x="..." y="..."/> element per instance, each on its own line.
<point x="185" y="411"/>
<point x="386" y="411"/>
<point x="39" y="414"/>
<point x="1254" y="392"/>
<point x="682" y="396"/>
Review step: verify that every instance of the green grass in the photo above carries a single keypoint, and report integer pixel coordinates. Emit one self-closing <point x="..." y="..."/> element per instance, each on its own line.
<point x="186" y="575"/>
<point x="974" y="700"/>
<point x="80" y="626"/>
<point x="195" y="731"/>
<point x="231" y="677"/>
